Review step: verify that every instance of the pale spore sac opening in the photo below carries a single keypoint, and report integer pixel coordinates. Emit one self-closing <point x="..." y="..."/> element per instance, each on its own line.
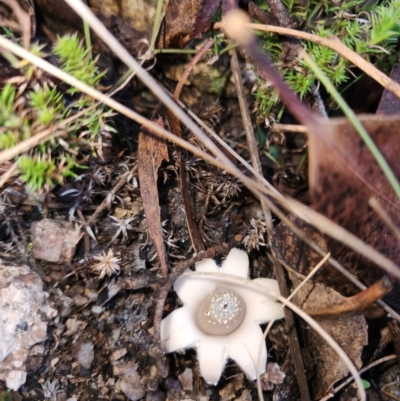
<point x="221" y="312"/>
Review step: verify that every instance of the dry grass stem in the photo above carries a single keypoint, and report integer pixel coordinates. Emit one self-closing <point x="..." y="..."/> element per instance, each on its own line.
<point x="338" y="233"/>
<point x="301" y="129"/>
<point x="350" y="379"/>
<point x="268" y="328"/>
<point x="384" y="216"/>
<point x="222" y="161"/>
<point x="9" y="173"/>
<point x="248" y="128"/>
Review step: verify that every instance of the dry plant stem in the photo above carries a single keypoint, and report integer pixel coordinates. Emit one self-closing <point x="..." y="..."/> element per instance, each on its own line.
<point x="384" y="216"/>
<point x="301" y="129"/>
<point x="9" y="173"/>
<point x="121" y="182"/>
<point x="163" y="293"/>
<point x="193" y="228"/>
<point x="311" y="322"/>
<point x="357" y="302"/>
<point x="232" y="152"/>
<point x="255" y="158"/>
<point x="334" y="263"/>
<point x="394" y="329"/>
<point x="336" y="232"/>
<point x="350" y="379"/>
<point x="248" y="127"/>
<point x="86" y="235"/>
<point x="291" y="330"/>
<point x="335" y="44"/>
<point x="293" y="338"/>
<point x="86" y="14"/>
<point x="222" y="162"/>
<point x="23" y="18"/>
<point x="207" y="45"/>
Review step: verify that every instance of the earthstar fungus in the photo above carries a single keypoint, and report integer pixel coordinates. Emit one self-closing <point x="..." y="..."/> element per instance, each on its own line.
<point x="220" y="316"/>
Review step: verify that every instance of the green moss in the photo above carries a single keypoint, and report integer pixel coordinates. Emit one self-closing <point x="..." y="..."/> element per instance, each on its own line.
<point x="6" y="396"/>
<point x="39" y="105"/>
<point x="372" y="32"/>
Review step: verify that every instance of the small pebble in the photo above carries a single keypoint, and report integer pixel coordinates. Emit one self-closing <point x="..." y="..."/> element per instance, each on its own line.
<point x="85" y="355"/>
<point x="186" y="379"/>
<point x="54" y="362"/>
<point x="97" y="309"/>
<point x="130" y="386"/>
<point x="117" y="354"/>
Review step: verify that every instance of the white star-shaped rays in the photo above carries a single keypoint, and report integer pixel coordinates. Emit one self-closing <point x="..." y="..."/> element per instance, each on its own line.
<point x="182" y="328"/>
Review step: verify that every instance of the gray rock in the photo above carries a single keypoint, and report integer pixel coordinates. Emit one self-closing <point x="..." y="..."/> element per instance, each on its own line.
<point x="25" y="312"/>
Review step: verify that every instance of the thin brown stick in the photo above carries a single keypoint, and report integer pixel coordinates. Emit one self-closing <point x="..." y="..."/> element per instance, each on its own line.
<point x="292" y="335"/>
<point x="163" y="293"/>
<point x="9" y="173"/>
<point x="193" y="228"/>
<point x="301" y="129"/>
<point x="291" y="329"/>
<point x="190" y="67"/>
<point x="248" y="127"/>
<point x="113" y="191"/>
<point x="279" y="273"/>
<point x="357" y="302"/>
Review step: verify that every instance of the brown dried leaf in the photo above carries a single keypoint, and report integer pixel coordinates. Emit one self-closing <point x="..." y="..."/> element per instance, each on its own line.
<point x="349" y="331"/>
<point x="204" y="17"/>
<point x="293" y="252"/>
<point x="152" y="151"/>
<point x="178" y="23"/>
<point x="207" y="12"/>
<point x="344" y="176"/>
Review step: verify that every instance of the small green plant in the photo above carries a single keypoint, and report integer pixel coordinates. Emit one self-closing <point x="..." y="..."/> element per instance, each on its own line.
<point x="6" y="396"/>
<point x="77" y="61"/>
<point x="371" y="31"/>
<point x="39" y="105"/>
<point x="47" y="104"/>
<point x="36" y="171"/>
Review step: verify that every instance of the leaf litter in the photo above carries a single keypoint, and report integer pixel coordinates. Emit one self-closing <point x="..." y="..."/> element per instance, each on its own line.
<point x="107" y="328"/>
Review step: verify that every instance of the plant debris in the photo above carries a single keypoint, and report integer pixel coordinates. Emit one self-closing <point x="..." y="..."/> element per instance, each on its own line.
<point x="100" y="215"/>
